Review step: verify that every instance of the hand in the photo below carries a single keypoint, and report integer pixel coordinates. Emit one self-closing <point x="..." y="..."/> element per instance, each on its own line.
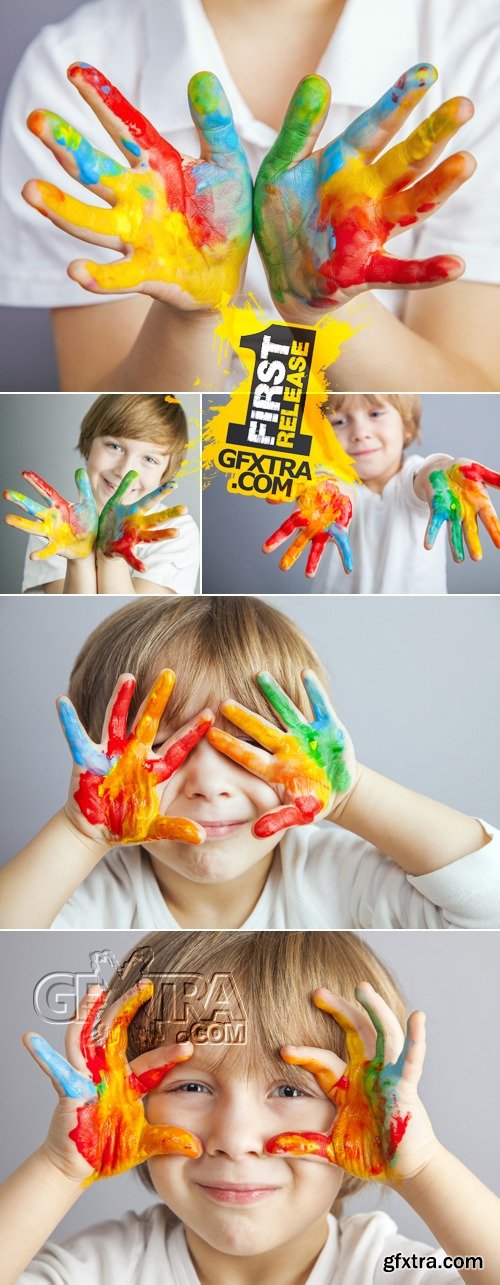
<point x="323" y="513"/>
<point x="121" y="526"/>
<point x="322" y="219"/>
<point x="101" y="1095"/>
<point x="381" y="1130"/>
<point x="70" y="529"/>
<point x="183" y="226"/>
<point x="457" y="495"/>
<point x="115" y="785"/>
<point x="312" y="764"/>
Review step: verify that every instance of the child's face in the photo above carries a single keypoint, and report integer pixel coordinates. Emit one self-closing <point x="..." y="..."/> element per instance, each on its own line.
<point x="225" y="799"/>
<point x="235" y="1197"/>
<point x="111" y="458"/>
<point x="373" y="436"/>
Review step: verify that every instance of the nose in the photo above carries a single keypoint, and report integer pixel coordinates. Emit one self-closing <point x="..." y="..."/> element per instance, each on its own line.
<point x="234" y="1129"/>
<point x="361" y="427"/>
<point x="208" y="774"/>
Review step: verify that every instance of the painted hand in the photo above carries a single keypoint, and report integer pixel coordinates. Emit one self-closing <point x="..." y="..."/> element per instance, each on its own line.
<point x="322" y="219"/>
<point x="70" y="529"/>
<point x="312" y="764"/>
<point x="381" y="1130"/>
<point x="457" y="495"/>
<point x="122" y="526"/>
<point x="183" y="226"/>
<point x="115" y="785"/>
<point x="110" y="1131"/>
<point x="323" y="513"/>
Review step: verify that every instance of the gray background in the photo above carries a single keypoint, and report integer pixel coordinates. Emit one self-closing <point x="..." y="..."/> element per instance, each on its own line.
<point x="458" y="424"/>
<point x="415" y="681"/>
<point x="26" y="330"/>
<point x="449" y="975"/>
<point x="40" y="433"/>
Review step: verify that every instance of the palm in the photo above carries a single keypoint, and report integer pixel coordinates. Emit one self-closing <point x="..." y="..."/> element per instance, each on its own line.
<point x="322" y="221"/>
<point x="183" y="225"/>
<point x="111" y="1132"/>
<point x="122" y="526"/>
<point x="117" y="782"/>
<point x="70" y="529"/>
<point x="323" y="513"/>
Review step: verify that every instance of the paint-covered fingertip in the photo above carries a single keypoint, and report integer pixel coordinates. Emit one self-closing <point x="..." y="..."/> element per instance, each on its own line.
<point x="421" y="75"/>
<point x="79" y="68"/>
<point x="309" y="101"/>
<point x="36" y="120"/>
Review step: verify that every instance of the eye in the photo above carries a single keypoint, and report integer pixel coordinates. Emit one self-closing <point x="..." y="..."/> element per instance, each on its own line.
<point x="191" y="1086"/>
<point x="288" y="1091"/>
<point x="376" y="412"/>
<point x="150" y="459"/>
<point x="112" y="446"/>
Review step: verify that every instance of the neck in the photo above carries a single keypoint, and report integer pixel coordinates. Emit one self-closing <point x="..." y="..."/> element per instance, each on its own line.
<point x="289" y="1264"/>
<point x="216" y="905"/>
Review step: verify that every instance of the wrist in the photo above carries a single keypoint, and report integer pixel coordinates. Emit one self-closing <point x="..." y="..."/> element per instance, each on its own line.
<point x="55" y="1173"/>
<point x="417" y="1187"/>
<point x="90" y="846"/>
<point x="347" y="803"/>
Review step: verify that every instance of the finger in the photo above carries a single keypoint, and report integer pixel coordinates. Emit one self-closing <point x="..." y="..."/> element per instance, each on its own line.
<point x="167" y="1140"/>
<point x="175" y="753"/>
<point x="287" y="528"/>
<point x="114" y="730"/>
<point x="90" y="1042"/>
<point x="254" y="725"/>
<point x="164" y="515"/>
<point x="68" y="1082"/>
<point x="471" y="535"/>
<point x="119" y="277"/>
<point x="74" y="1028"/>
<point x="293" y="553"/>
<point x="77" y="156"/>
<point x="94" y="223"/>
<point x="385" y="270"/>
<point x="83" y="751"/>
<point x="113" y="1034"/>
<point x="411" y="1061"/>
<point x="304" y="119"/>
<point x="255" y="761"/>
<point x="355" y="1023"/>
<point x="44" y="488"/>
<point x="416" y="203"/>
<point x="340" y="537"/>
<point x="433" y="527"/>
<point x="455" y="536"/>
<point x="323" y="1064"/>
<point x="282" y="818"/>
<point x="165" y="489"/>
<point x="150" y="713"/>
<point x="390" y="1037"/>
<point x="373" y="129"/>
<point x="122" y="488"/>
<point x="322" y="709"/>
<point x="176" y="830"/>
<point x="84" y="488"/>
<point x="287" y="712"/>
<point x="212" y="118"/>
<point x="490" y="521"/>
<point x="151" y="537"/>
<point x="318" y="546"/>
<point x="475" y="472"/>
<point x="150" y="1069"/>
<point x="24" y="502"/>
<point x="300" y="1144"/>
<point x="133" y="134"/>
<point x="33" y="526"/>
<point x="406" y="161"/>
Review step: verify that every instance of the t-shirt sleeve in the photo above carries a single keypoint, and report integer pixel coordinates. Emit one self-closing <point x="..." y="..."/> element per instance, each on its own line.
<point x="124" y="1250"/>
<point x="106" y="898"/>
<point x="33" y="253"/>
<point x="43" y="570"/>
<point x="173" y="563"/>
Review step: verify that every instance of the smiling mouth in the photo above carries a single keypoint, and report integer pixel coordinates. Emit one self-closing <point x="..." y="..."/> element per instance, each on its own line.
<point x="220" y="829"/>
<point x="239" y="1194"/>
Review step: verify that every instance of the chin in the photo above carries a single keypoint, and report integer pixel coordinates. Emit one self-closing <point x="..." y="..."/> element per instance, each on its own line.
<point x="212" y="863"/>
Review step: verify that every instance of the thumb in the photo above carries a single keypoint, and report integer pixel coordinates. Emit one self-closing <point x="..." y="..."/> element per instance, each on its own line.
<point x="212" y="118"/>
<point x="304" y="120"/>
<point x="83" y="486"/>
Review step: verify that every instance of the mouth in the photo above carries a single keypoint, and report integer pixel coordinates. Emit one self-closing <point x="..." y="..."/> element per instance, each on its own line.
<point x="241" y="1193"/>
<point x="358" y="455"/>
<point x="111" y="487"/>
<point x="221" y="829"/>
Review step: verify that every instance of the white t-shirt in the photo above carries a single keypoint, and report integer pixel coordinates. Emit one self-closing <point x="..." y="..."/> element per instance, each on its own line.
<point x="387" y="540"/>
<point x="171" y="563"/>
<point x="321" y="877"/>
<point x="151" y="48"/>
<point x="136" y="1250"/>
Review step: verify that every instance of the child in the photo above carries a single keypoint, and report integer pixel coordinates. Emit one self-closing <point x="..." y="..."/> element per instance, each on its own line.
<point x="176" y="825"/>
<point x="145" y="438"/>
<point x="222" y="1132"/>
<point x="404" y="339"/>
<point x="396" y="514"/>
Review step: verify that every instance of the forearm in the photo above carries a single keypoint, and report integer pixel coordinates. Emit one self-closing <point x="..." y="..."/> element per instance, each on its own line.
<point x="460" y="1211"/>
<point x="32" y="1202"/>
<point x="386" y="353"/>
<point x="37" y="882"/>
<point x="174" y="350"/>
<point x="418" y="833"/>
<point x="81" y="576"/>
<point x="113" y="575"/>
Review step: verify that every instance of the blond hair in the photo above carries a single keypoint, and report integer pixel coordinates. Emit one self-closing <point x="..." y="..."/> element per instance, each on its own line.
<point x="408" y="405"/>
<point x="215" y="646"/>
<point x="275" y="974"/>
<point x="150" y="418"/>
